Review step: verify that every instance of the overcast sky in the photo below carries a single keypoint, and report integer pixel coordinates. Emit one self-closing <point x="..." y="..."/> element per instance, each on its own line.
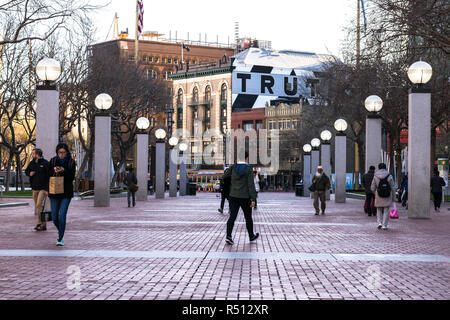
<point x="304" y="25"/>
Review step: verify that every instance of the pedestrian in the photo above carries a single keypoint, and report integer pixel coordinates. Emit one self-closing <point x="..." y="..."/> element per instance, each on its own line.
<point x="38" y="171"/>
<point x="383" y="188"/>
<point x="437" y="183"/>
<point x="242" y="195"/>
<point x="404" y="191"/>
<point x="131" y="182"/>
<point x="62" y="165"/>
<point x="321" y="184"/>
<point x="225" y="185"/>
<point x="257" y="188"/>
<point x="370" y="197"/>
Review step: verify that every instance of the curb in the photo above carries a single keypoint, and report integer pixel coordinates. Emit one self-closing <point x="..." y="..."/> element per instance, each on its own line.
<point x="13" y="204"/>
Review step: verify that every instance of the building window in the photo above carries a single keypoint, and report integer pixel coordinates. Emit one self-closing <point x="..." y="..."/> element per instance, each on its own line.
<point x="224" y="126"/>
<point x="223" y="92"/>
<point x="195" y="95"/>
<point x="180" y="98"/>
<point x="169" y="60"/>
<point x="272" y="124"/>
<point x="247" y="125"/>
<point x="144" y="58"/>
<point x="164" y="60"/>
<point x="156" y="59"/>
<point x="207" y="94"/>
<point x="295" y="124"/>
<point x="167" y="74"/>
<point x="258" y="125"/>
<point x="150" y="59"/>
<point x="131" y="57"/>
<point x="175" y="61"/>
<point x="224" y="111"/>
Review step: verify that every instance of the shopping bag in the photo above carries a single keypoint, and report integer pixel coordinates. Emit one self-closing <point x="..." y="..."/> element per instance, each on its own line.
<point x="46" y="213"/>
<point x="133" y="187"/>
<point x="56" y="185"/>
<point x="394" y="213"/>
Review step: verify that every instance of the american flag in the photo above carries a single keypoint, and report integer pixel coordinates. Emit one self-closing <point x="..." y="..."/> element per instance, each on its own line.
<point x="140" y="9"/>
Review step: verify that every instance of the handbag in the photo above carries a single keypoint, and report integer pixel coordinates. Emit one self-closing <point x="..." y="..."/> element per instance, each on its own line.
<point x="46" y="213"/>
<point x="312" y="187"/>
<point x="133" y="187"/>
<point x="394" y="213"/>
<point x="56" y="185"/>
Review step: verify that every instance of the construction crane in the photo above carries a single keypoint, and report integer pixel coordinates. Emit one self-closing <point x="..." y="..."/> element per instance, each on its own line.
<point x="115" y="27"/>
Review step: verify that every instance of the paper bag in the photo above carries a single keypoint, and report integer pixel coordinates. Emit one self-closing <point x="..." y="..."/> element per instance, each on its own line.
<point x="56" y="185"/>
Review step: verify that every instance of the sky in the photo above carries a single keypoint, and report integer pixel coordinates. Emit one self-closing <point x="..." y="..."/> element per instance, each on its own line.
<point x="303" y="25"/>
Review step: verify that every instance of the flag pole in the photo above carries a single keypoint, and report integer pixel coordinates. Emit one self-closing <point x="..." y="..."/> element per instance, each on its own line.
<point x="136" y="41"/>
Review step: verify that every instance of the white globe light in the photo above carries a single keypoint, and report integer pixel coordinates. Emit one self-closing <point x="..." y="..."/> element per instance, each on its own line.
<point x="340" y="125"/>
<point x="307" y="148"/>
<point x="160" y="134"/>
<point x="173" y="141"/>
<point x="103" y="101"/>
<point x="315" y="143"/>
<point x="183" y="146"/>
<point x="48" y="69"/>
<point x="420" y="72"/>
<point x="373" y="103"/>
<point x="142" y="123"/>
<point x="325" y="135"/>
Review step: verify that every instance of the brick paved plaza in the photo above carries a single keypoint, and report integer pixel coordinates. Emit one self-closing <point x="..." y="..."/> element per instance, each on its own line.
<point x="174" y="248"/>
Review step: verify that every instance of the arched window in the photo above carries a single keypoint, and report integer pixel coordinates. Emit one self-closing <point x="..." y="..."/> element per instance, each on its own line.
<point x="207" y="94"/>
<point x="223" y="92"/>
<point x="195" y="95"/>
<point x="180" y="97"/>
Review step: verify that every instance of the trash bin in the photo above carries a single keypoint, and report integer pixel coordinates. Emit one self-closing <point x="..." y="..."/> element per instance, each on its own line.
<point x="299" y="189"/>
<point x="192" y="189"/>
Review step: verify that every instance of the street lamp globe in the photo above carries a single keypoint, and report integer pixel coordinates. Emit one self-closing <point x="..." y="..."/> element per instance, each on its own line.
<point x="340" y="125"/>
<point x="173" y="141"/>
<point x="103" y="101"/>
<point x="307" y="148"/>
<point x="183" y="146"/>
<point x="315" y="143"/>
<point x="48" y="69"/>
<point x="373" y="103"/>
<point x="160" y="134"/>
<point x="142" y="123"/>
<point x="325" y="135"/>
<point x="420" y="72"/>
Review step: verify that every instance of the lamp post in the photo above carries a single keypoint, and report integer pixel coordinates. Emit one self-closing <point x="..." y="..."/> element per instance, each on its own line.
<point x="183" y="174"/>
<point x="173" y="141"/>
<point x="419" y="140"/>
<point x="47" y="107"/>
<point x="373" y="105"/>
<point x="142" y="158"/>
<point x="160" y="183"/>
<point x="306" y="169"/>
<point x="340" y="160"/>
<point x="315" y="144"/>
<point x="325" y="155"/>
<point x="102" y="153"/>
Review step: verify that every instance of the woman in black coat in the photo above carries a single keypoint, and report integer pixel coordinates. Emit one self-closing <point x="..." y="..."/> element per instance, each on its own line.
<point x="62" y="165"/>
<point x="436" y="184"/>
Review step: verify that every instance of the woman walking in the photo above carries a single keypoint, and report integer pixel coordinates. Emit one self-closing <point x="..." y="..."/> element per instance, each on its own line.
<point x="62" y="165"/>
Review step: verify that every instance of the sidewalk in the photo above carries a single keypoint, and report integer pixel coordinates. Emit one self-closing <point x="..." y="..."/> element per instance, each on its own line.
<point x="174" y="248"/>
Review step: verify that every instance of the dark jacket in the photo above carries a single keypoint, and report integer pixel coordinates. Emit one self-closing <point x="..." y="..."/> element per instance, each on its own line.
<point x="242" y="184"/>
<point x="437" y="183"/>
<point x="322" y="183"/>
<point x="225" y="186"/>
<point x="130" y="178"/>
<point x="367" y="180"/>
<point x="68" y="174"/>
<point x="39" y="181"/>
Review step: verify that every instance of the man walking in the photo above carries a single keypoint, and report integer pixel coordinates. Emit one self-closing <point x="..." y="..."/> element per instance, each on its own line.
<point x="383" y="188"/>
<point x="370" y="197"/>
<point x="37" y="170"/>
<point x="321" y="184"/>
<point x="242" y="195"/>
<point x="131" y="182"/>
<point x="225" y="185"/>
<point x="436" y="184"/>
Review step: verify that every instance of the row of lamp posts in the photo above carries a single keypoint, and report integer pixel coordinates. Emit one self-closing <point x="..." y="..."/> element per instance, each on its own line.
<point x="419" y="130"/>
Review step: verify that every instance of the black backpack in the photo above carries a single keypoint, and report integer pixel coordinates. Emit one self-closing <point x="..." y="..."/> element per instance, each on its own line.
<point x="384" y="188"/>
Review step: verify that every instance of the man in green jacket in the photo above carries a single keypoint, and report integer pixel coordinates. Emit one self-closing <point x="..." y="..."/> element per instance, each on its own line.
<point x="242" y="195"/>
<point x="321" y="184"/>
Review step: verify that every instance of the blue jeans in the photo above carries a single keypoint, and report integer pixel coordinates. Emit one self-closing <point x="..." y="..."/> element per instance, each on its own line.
<point x="59" y="213"/>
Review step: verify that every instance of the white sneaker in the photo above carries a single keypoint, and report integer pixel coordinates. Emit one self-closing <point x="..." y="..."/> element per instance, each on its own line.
<point x="384" y="228"/>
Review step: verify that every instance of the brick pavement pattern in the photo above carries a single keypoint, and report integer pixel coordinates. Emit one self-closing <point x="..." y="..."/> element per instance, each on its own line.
<point x="174" y="248"/>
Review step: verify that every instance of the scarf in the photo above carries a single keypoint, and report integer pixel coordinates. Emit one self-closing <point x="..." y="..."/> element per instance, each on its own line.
<point x="62" y="161"/>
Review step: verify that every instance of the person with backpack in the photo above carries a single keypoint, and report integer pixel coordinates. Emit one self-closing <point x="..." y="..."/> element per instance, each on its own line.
<point x="383" y="188"/>
<point x="242" y="195"/>
<point x="130" y="181"/>
<point x="370" y="197"/>
<point x="321" y="183"/>
<point x="225" y="192"/>
<point x="436" y="184"/>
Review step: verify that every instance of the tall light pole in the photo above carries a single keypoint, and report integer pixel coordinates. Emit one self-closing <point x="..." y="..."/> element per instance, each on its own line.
<point x="173" y="141"/>
<point x="340" y="160"/>
<point x="325" y="155"/>
<point x="183" y="174"/>
<point x="102" y="151"/>
<point x="315" y="144"/>
<point x="47" y="107"/>
<point x="160" y="186"/>
<point x="373" y="104"/>
<point x="306" y="169"/>
<point x="142" y="158"/>
<point x="419" y="140"/>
